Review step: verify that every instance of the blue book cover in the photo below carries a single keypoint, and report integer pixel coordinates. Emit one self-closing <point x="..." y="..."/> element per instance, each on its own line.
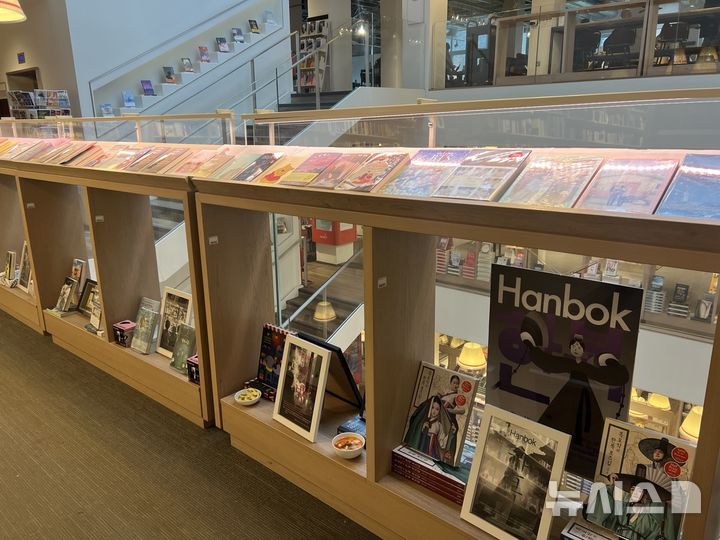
<point x="695" y="192"/>
<point x="128" y="98"/>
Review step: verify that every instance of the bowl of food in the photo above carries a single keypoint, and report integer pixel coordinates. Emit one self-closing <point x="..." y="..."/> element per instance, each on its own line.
<point x="248" y="396"/>
<point x="348" y="445"/>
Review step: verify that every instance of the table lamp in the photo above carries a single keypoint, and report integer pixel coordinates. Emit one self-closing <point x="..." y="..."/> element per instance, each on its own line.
<point x="11" y="12"/>
<point x="690" y="428"/>
<point x="324" y="311"/>
<point x="472" y="356"/>
<point x="659" y="401"/>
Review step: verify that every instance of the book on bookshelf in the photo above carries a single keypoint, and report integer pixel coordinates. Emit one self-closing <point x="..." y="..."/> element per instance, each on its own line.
<point x="628" y="185"/>
<point x="425" y="172"/>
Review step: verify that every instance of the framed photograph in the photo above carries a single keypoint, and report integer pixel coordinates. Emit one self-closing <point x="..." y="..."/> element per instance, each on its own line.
<point x="67" y="292"/>
<point x="25" y="272"/>
<point x="176" y="310"/>
<point x="9" y="270"/>
<point x="187" y="65"/>
<point x="89" y="293"/>
<point x="301" y="387"/>
<point x="96" y="312"/>
<point x="515" y="461"/>
<point x="254" y="27"/>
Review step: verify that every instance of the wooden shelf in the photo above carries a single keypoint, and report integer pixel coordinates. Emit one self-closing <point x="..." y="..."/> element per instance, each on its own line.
<point x="22" y="306"/>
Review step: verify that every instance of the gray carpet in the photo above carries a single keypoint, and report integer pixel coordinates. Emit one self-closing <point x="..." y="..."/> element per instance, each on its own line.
<point x="84" y="456"/>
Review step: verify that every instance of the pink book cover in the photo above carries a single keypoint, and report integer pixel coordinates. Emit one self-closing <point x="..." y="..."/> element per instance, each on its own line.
<point x="194" y="162"/>
<point x="373" y="171"/>
<point x="629" y="185"/>
<point x="552" y="181"/>
<point x="310" y="169"/>
<point x="340" y="168"/>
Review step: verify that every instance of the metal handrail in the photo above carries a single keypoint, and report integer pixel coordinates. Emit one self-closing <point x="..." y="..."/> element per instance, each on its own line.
<point x="322" y="289"/>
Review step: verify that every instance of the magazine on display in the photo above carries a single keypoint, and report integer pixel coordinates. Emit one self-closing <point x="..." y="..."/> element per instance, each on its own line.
<point x="147" y="88"/>
<point x="483" y="175"/>
<point x="207" y="169"/>
<point x="695" y="191"/>
<point x="222" y="44"/>
<point x="341" y="167"/>
<point x="552" y="181"/>
<point x="73" y="151"/>
<point x="272" y="346"/>
<point x="515" y="461"/>
<point x="631" y="456"/>
<point x="187" y="65"/>
<point x="425" y="172"/>
<point x="237" y="35"/>
<point x="25" y="274"/>
<point x="236" y="164"/>
<point x="169" y="75"/>
<point x="176" y="309"/>
<point x="628" y="185"/>
<point x="193" y="162"/>
<point x="204" y="54"/>
<point x="128" y="97"/>
<point x="257" y="167"/>
<point x="562" y="352"/>
<point x="161" y="161"/>
<point x="310" y="169"/>
<point x="280" y="169"/>
<point x="375" y="170"/>
<point x="17" y="147"/>
<point x="184" y="347"/>
<point x="439" y="413"/>
<point x="301" y="387"/>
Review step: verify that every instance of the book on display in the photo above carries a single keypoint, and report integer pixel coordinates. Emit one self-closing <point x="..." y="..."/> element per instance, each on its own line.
<point x="128" y="99"/>
<point x="374" y="171"/>
<point x="280" y="169"/>
<point x="552" y="181"/>
<point x="187" y="65"/>
<point x="169" y="75"/>
<point x="628" y="185"/>
<point x="339" y="169"/>
<point x="147" y="87"/>
<point x="237" y="163"/>
<point x="222" y="44"/>
<point x="483" y="175"/>
<point x="193" y="162"/>
<point x="425" y="172"/>
<point x="310" y="169"/>
<point x="695" y="191"/>
<point x="214" y="163"/>
<point x="204" y="54"/>
<point x="70" y="152"/>
<point x="257" y="167"/>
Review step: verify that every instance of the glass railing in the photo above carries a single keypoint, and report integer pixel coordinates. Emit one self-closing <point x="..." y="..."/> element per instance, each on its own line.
<point x="610" y="40"/>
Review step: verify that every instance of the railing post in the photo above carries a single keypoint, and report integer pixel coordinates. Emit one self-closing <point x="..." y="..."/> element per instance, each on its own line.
<point x="432" y="134"/>
<point x="252" y="84"/>
<point x="14" y="129"/>
<point x="316" y="71"/>
<point x="277" y="90"/>
<point x="297" y="57"/>
<point x="163" y="132"/>
<point x="271" y="133"/>
<point x="138" y="130"/>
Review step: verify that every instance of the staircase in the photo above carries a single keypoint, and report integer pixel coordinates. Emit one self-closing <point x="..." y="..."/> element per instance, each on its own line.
<point x="304" y="321"/>
<point x="166" y="215"/>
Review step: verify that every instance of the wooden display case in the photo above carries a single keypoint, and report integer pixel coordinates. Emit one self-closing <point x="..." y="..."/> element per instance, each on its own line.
<point x="71" y="213"/>
<point x="399" y="233"/>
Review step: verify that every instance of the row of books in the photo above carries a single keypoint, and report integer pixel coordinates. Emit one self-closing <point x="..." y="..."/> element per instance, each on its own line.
<point x="513" y="176"/>
<point x="39" y="99"/>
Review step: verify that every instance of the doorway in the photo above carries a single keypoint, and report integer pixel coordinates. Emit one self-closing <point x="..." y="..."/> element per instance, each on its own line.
<point x="24" y="79"/>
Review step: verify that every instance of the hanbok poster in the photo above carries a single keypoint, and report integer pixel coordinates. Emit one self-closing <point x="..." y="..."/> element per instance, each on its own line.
<point x="561" y="352"/>
<point x="439" y="413"/>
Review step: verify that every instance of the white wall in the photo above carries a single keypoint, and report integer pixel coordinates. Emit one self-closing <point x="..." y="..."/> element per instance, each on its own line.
<point x="45" y="40"/>
<point x="340" y="59"/>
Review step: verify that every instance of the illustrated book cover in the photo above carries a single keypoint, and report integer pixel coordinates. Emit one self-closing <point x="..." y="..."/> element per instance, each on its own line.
<point x="146" y="324"/>
<point x="648" y="467"/>
<point x="336" y="171"/>
<point x="184" y="347"/>
<point x="254" y="27"/>
<point x="257" y="167"/>
<point x="187" y="65"/>
<point x="237" y="35"/>
<point x="374" y="171"/>
<point x="272" y="346"/>
<point x="425" y="172"/>
<point x="147" y="87"/>
<point x="204" y="54"/>
<point x="235" y="165"/>
<point x="552" y="181"/>
<point x="310" y="169"/>
<point x="628" y="185"/>
<point x="483" y="175"/>
<point x="222" y="44"/>
<point x="439" y="413"/>
<point x="695" y="191"/>
<point x="562" y="352"/>
<point x="128" y="97"/>
<point x="169" y="75"/>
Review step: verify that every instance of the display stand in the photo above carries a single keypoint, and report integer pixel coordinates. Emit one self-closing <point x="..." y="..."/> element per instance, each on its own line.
<point x="58" y="204"/>
<point x="21" y="305"/>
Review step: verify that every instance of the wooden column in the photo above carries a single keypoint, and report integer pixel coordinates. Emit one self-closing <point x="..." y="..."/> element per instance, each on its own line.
<point x="11" y="232"/>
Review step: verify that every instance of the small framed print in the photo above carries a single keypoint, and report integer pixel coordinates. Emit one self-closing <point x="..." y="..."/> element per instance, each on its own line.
<point x="301" y="388"/>
<point x="25" y="272"/>
<point x="88" y="296"/>
<point x="176" y="309"/>
<point x="515" y="461"/>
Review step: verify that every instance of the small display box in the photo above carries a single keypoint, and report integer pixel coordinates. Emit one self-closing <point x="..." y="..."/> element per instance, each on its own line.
<point x="334" y="240"/>
<point x="193" y="369"/>
<point x="123" y="332"/>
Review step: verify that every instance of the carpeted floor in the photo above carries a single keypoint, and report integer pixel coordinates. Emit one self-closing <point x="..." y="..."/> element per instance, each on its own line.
<point x="84" y="456"/>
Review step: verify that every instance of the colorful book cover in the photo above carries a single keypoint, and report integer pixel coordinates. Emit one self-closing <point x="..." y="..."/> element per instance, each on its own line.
<point x="631" y="456"/>
<point x="169" y="75"/>
<point x="204" y="54"/>
<point x="128" y="99"/>
<point x="40" y="152"/>
<point x="439" y="413"/>
<point x="561" y="352"/>
<point x="147" y="87"/>
<point x="144" y="336"/>
<point x="426" y="171"/>
<point x="257" y="167"/>
<point x="254" y="27"/>
<point x="272" y="346"/>
<point x="157" y="160"/>
<point x="187" y="65"/>
<point x="235" y="165"/>
<point x="483" y="175"/>
<point x="123" y="158"/>
<point x="193" y="162"/>
<point x="552" y="181"/>
<point x="184" y="347"/>
<point x="629" y="185"/>
<point x="222" y="44"/>
<point x="17" y="147"/>
<point x="276" y="173"/>
<point x="341" y="167"/>
<point x="97" y="154"/>
<point x="374" y="171"/>
<point x="695" y="191"/>
<point x="214" y="163"/>
<point x="72" y="151"/>
<point x="310" y="169"/>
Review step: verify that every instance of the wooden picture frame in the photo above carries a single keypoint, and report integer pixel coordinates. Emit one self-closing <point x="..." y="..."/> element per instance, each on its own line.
<point x="25" y="270"/>
<point x="299" y="406"/>
<point x="87" y="297"/>
<point x="485" y="480"/>
<point x="176" y="308"/>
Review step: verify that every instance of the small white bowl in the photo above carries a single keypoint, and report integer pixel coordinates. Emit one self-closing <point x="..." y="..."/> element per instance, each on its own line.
<point x="350" y="445"/>
<point x="247" y="396"/>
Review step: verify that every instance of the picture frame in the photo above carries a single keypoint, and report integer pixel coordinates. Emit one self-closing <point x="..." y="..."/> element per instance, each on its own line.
<point x="254" y="27"/>
<point x="9" y="270"/>
<point x="187" y="65"/>
<point x="25" y="269"/>
<point x="89" y="291"/>
<point x="67" y="291"/>
<point x="176" y="308"/>
<point x="301" y="388"/>
<point x="499" y="432"/>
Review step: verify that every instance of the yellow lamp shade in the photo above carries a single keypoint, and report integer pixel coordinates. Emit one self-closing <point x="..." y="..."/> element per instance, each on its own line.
<point x="443" y="339"/>
<point x="690" y="428"/>
<point x="324" y="311"/>
<point x="659" y="401"/>
<point x="11" y="12"/>
<point x="472" y="356"/>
